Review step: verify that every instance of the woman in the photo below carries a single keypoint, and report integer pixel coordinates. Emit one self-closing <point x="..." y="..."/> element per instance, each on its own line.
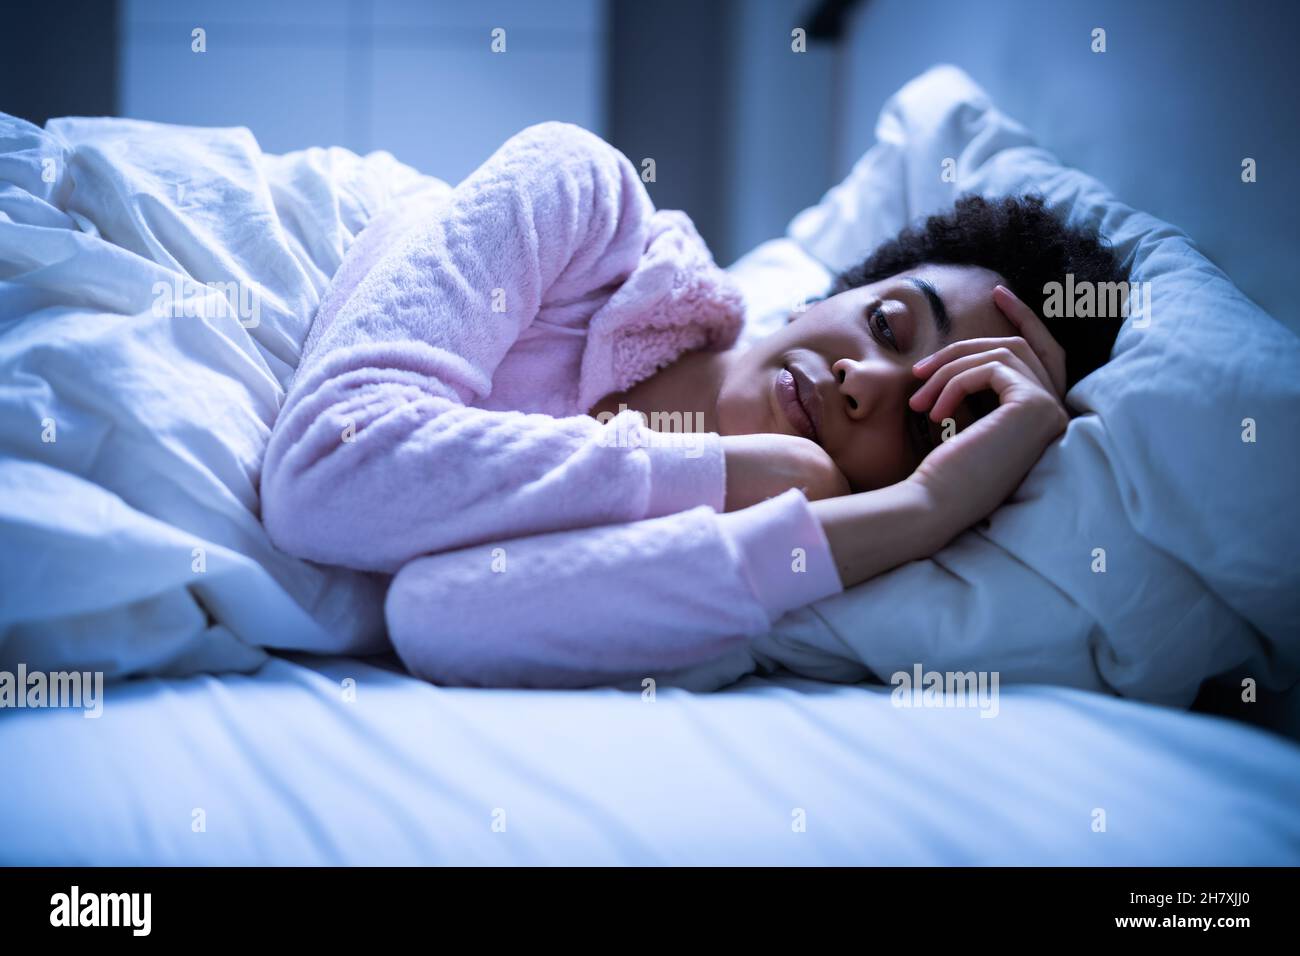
<point x="467" y="416"/>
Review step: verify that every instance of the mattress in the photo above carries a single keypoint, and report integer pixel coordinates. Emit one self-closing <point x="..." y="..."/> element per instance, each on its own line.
<point x="325" y="761"/>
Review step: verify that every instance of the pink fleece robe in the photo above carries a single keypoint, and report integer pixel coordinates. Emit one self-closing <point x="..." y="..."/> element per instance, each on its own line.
<point x="436" y="430"/>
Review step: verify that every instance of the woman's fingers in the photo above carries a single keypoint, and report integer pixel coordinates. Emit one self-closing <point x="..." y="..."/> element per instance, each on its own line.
<point x="989" y="375"/>
<point x="924" y="396"/>
<point x="1032" y="329"/>
<point x="1016" y="344"/>
<point x="1014" y="390"/>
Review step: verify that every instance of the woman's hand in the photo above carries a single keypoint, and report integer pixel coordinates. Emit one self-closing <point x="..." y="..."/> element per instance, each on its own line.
<point x="765" y="465"/>
<point x="973" y="472"/>
<point x="1050" y="355"/>
<point x="1037" y="351"/>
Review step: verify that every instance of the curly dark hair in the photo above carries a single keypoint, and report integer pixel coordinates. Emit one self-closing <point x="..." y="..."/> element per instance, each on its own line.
<point x="1020" y="240"/>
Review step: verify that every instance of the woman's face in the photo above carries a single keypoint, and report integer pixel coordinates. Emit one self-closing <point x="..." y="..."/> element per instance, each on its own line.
<point x="841" y="372"/>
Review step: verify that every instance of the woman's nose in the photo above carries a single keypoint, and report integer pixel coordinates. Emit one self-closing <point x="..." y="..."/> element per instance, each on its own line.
<point x="865" y="386"/>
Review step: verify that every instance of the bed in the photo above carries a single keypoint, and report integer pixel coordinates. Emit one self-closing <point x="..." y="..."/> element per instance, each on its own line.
<point x="285" y="766"/>
<point x="253" y="716"/>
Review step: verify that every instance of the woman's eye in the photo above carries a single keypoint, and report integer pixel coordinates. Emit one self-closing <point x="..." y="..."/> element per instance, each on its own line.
<point x="880" y="328"/>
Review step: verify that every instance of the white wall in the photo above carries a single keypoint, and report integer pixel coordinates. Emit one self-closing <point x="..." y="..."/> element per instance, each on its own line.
<point x="416" y="78"/>
<point x="781" y="122"/>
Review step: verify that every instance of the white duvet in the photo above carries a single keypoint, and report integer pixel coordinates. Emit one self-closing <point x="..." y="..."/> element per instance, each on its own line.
<point x="131" y="440"/>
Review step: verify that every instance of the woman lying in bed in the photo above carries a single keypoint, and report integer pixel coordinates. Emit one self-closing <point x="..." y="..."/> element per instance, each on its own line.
<point x="469" y="416"/>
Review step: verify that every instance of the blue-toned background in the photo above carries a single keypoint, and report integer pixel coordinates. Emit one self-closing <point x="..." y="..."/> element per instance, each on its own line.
<point x="743" y="131"/>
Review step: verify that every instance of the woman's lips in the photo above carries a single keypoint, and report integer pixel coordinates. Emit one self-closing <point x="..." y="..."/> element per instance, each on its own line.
<point x="788" y="398"/>
<point x="810" y="397"/>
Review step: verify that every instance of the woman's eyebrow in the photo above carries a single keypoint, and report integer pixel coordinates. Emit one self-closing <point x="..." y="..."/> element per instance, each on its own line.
<point x="938" y="311"/>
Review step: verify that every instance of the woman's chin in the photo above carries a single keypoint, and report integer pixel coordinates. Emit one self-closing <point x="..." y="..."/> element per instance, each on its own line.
<point x="755" y="410"/>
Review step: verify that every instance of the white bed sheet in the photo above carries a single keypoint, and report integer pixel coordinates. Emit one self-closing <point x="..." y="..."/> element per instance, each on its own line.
<point x="288" y="772"/>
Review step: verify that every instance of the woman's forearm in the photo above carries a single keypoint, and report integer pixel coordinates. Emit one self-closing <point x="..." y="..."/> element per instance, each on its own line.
<point x="874" y="531"/>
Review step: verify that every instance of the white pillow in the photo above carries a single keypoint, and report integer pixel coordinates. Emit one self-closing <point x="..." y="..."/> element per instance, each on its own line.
<point x="1199" y="528"/>
<point x="777" y="278"/>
